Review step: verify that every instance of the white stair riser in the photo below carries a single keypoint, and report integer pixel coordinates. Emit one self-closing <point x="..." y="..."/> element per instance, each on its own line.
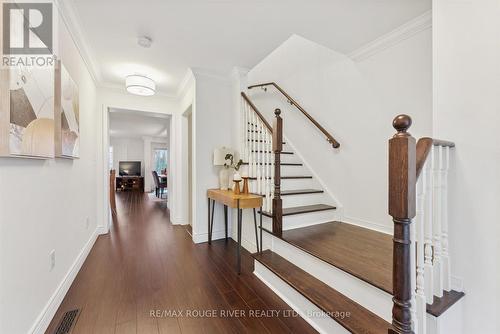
<point x="306" y="199"/>
<point x="298" y="302"/>
<point x="365" y="294"/>
<point x="290" y="184"/>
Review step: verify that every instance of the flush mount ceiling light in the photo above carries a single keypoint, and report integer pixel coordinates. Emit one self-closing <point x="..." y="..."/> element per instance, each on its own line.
<point x="140" y="85"/>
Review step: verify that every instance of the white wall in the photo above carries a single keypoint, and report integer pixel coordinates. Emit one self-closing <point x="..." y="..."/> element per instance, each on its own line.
<point x="44" y="205"/>
<point x="128" y="149"/>
<point x="212" y="116"/>
<point x="356" y="103"/>
<point x="467" y="111"/>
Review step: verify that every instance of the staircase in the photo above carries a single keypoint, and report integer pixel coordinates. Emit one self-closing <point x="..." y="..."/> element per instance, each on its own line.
<point x="340" y="277"/>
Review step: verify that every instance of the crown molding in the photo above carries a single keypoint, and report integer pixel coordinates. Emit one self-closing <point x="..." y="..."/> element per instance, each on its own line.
<point x="70" y="19"/>
<point x="402" y="33"/>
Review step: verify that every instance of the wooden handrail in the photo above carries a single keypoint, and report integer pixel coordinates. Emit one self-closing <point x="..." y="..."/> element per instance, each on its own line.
<point x="424" y="146"/>
<point x="329" y="137"/>
<point x="277" y="148"/>
<point x="250" y="103"/>
<point x="402" y="208"/>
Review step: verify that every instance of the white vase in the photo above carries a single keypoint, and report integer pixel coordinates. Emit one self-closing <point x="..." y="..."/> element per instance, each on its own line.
<point x="223" y="179"/>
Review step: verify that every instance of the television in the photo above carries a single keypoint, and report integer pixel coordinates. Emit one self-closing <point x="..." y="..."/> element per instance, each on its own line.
<point x="129" y="168"/>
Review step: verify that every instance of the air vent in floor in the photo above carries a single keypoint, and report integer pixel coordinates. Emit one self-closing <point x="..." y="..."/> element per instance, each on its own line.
<point x="67" y="322"/>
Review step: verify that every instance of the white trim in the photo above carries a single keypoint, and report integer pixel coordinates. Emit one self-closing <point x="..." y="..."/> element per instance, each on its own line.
<point x="203" y="237"/>
<point x="387" y="229"/>
<point x="48" y="312"/>
<point x="403" y="32"/>
<point x="68" y="15"/>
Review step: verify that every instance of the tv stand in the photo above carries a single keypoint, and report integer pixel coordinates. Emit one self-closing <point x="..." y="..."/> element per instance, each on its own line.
<point x="130" y="183"/>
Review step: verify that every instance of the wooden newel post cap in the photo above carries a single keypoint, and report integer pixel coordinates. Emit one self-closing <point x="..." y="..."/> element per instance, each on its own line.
<point x="402" y="123"/>
<point x="277" y="112"/>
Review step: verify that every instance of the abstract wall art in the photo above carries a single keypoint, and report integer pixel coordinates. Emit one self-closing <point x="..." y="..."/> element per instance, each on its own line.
<point x="27" y="112"/>
<point x="67" y="114"/>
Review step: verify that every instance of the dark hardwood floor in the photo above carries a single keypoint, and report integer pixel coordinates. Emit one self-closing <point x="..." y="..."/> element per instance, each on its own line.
<point x="146" y="264"/>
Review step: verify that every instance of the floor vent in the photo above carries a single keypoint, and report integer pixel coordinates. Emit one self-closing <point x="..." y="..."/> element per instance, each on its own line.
<point x="67" y="322"/>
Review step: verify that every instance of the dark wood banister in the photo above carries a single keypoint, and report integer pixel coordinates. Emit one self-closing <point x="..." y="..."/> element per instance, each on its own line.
<point x="277" y="148"/>
<point x="254" y="108"/>
<point x="329" y="137"/>
<point x="406" y="160"/>
<point x="424" y="146"/>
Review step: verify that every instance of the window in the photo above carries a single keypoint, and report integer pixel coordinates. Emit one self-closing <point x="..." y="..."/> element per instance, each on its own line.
<point x="160" y="160"/>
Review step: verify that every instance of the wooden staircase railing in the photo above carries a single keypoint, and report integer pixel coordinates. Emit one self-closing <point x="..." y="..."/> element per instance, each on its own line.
<point x="261" y="147"/>
<point x="277" y="148"/>
<point x="329" y="137"/>
<point x="418" y="175"/>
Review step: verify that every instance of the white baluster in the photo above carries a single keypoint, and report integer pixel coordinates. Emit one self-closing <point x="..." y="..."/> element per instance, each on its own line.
<point x="251" y="169"/>
<point x="246" y="127"/>
<point x="268" y="171"/>
<point x="445" y="257"/>
<point x="272" y="175"/>
<point x="428" y="218"/>
<point x="259" y="158"/>
<point x="436" y="224"/>
<point x="420" y="303"/>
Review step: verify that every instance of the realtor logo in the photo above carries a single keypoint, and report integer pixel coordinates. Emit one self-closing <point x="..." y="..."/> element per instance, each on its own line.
<point x="27" y="28"/>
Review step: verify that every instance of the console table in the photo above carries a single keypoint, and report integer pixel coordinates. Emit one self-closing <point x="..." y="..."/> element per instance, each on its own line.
<point x="130" y="183"/>
<point x="242" y="201"/>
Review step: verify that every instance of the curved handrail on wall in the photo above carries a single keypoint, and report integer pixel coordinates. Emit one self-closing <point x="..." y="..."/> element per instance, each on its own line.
<point x="329" y="137"/>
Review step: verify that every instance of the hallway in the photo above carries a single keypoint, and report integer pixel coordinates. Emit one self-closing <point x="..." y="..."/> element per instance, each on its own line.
<point x="146" y="265"/>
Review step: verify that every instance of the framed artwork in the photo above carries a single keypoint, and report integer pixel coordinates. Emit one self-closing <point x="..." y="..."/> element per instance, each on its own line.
<point x="27" y="112"/>
<point x="67" y="114"/>
<point x="26" y="109"/>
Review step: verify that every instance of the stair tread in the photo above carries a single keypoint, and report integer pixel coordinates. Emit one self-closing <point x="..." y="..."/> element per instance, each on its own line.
<point x="282" y="164"/>
<point x="282" y="152"/>
<point x="361" y="252"/>
<point x="323" y="296"/>
<point x="295" y="210"/>
<point x="301" y="192"/>
<point x="440" y="305"/>
<point x="288" y="177"/>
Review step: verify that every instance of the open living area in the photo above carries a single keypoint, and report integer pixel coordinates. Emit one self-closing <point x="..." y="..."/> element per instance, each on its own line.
<point x="228" y="166"/>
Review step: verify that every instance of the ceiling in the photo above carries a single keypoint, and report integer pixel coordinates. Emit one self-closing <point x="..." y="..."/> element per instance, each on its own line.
<point x="135" y="124"/>
<point x="220" y="34"/>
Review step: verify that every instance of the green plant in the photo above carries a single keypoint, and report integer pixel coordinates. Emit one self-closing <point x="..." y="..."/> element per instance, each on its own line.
<point x="236" y="166"/>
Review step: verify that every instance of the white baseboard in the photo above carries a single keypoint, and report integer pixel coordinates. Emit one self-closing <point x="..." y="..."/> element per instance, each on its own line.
<point x="100" y="230"/>
<point x="203" y="237"/>
<point x="387" y="229"/>
<point x="48" y="312"/>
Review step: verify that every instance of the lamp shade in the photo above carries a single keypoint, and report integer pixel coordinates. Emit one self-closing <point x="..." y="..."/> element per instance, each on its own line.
<point x="140" y="85"/>
<point x="220" y="155"/>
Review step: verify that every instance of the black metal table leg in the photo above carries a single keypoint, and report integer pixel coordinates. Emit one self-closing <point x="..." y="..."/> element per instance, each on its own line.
<point x="212" y="221"/>
<point x="256" y="233"/>
<point x="209" y="232"/>
<point x="225" y="218"/>
<point x="261" y="229"/>
<point x="239" y="236"/>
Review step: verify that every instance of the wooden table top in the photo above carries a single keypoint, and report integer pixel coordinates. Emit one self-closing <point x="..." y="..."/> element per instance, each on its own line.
<point x="229" y="198"/>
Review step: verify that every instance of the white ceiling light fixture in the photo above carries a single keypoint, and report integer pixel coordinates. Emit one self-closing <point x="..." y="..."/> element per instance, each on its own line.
<point x="145" y="41"/>
<point x="140" y="85"/>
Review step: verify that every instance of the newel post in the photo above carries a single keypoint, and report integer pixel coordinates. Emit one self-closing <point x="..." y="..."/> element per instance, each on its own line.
<point x="277" y="148"/>
<point x="402" y="202"/>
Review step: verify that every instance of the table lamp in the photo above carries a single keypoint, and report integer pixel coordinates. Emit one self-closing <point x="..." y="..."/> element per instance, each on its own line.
<point x="220" y="160"/>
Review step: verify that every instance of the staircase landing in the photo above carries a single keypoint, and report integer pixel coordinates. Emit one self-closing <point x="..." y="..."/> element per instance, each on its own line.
<point x="363" y="253"/>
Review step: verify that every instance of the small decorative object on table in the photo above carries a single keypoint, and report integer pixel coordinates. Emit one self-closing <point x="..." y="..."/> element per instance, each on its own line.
<point x="236" y="177"/>
<point x="244" y="176"/>
<point x="237" y="184"/>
